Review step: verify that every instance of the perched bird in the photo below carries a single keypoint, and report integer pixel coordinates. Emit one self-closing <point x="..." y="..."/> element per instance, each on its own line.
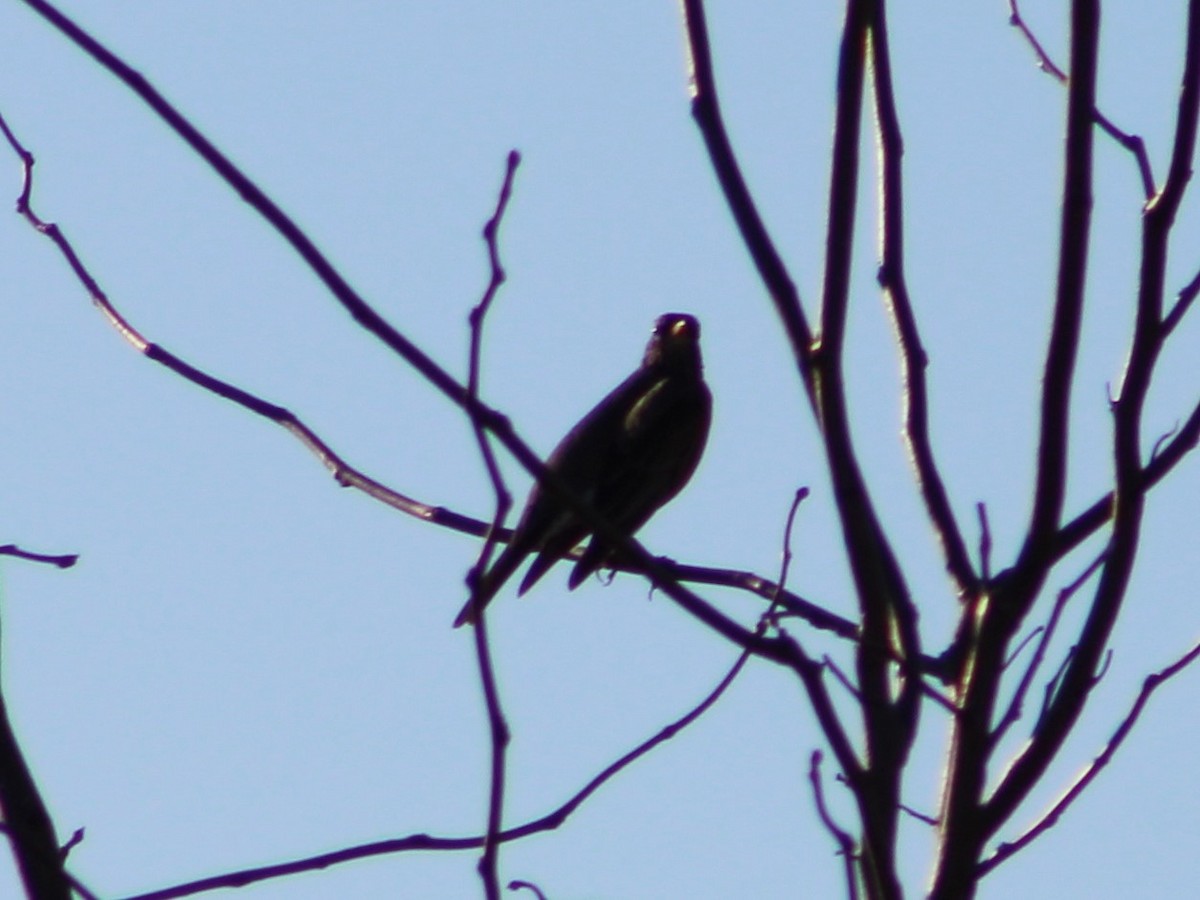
<point x="627" y="457"/>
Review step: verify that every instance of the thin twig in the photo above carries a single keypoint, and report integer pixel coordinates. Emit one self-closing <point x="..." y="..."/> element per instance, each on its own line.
<point x="415" y="842"/>
<point x="1182" y="304"/>
<point x="1131" y="142"/>
<point x="62" y="560"/>
<point x="842" y="677"/>
<point x="1162" y="439"/>
<point x="528" y="886"/>
<point x="476" y="320"/>
<point x="497" y="725"/>
<point x="785" y="556"/>
<point x="840" y="835"/>
<point x="74" y="841"/>
<point x="1152" y="683"/>
<point x="499" y="733"/>
<point x="985" y="542"/>
<point x="1016" y="704"/>
<point x="1025" y="642"/>
<point x="1088" y="522"/>
<point x="920" y="816"/>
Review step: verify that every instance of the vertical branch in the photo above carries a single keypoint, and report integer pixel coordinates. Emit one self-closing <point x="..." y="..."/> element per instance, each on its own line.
<point x="1075" y="229"/>
<point x="498" y="727"/>
<point x="880" y="586"/>
<point x="965" y="827"/>
<point x="1129" y="493"/>
<point x="886" y="608"/>
<point x="895" y="290"/>
<point x="478" y="314"/>
<point x="840" y="836"/>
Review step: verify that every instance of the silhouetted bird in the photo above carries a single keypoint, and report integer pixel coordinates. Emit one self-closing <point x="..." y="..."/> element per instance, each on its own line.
<point x="627" y="457"/>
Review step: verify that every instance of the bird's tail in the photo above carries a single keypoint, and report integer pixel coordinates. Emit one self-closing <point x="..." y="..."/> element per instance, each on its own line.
<point x="490" y="583"/>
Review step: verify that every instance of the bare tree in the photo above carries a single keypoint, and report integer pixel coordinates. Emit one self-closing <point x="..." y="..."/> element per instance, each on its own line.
<point x="1009" y="614"/>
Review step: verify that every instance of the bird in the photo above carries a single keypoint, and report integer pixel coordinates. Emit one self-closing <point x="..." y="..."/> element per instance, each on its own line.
<point x="631" y="454"/>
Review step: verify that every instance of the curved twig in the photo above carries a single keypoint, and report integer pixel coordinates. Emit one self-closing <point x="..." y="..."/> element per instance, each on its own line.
<point x="840" y="836"/>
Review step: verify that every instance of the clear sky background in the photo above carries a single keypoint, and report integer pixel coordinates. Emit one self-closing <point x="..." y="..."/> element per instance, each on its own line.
<point x="250" y="664"/>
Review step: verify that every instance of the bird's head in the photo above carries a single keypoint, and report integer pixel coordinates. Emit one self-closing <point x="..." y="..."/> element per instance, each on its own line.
<point x="675" y="343"/>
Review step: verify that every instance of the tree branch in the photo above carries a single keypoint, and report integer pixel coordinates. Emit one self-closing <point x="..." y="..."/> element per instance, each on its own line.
<point x="637" y="557"/>
<point x="1049" y="820"/>
<point x="840" y="836"/>
<point x="1131" y="142"/>
<point x="497" y="724"/>
<point x="706" y="110"/>
<point x="1129" y="494"/>
<point x="965" y="829"/>
<point x="62" y="560"/>
<point x="908" y="339"/>
<point x="1059" y="369"/>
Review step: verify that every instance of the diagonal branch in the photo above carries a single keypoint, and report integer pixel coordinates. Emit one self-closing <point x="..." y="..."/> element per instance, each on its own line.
<point x="636" y="555"/>
<point x="548" y="822"/>
<point x="348" y="476"/>
<point x="1050" y="819"/>
<point x="1095" y="516"/>
<point x="29" y="830"/>
<point x="888" y="616"/>
<point x="1016" y="704"/>
<point x="1187" y="296"/>
<point x="912" y="353"/>
<point x="1131" y="142"/>
<point x="1129" y="494"/>
<point x="706" y="110"/>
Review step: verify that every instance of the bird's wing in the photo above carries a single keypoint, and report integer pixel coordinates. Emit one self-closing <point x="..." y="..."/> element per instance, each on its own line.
<point x="580" y="459"/>
<point x="662" y="439"/>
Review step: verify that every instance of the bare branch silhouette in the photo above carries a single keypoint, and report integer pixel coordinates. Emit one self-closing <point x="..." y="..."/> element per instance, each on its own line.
<point x="1151" y="684"/>
<point x="497" y="724"/>
<point x="1131" y="142"/>
<point x="840" y="836"/>
<point x="62" y="560"/>
<point x="868" y="696"/>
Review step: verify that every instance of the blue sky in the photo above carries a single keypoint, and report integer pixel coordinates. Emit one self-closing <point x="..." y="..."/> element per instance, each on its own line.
<point x="251" y="665"/>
